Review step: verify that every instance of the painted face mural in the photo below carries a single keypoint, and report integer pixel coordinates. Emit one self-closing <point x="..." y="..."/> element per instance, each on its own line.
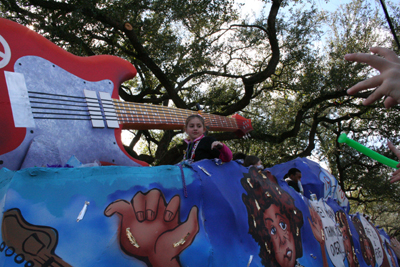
<point x="378" y="249"/>
<point x="316" y="225"/>
<point x="282" y="238"/>
<point x="347" y="239"/>
<point x="150" y="229"/>
<point x="274" y="221"/>
<point x="317" y="228"/>
<point x="365" y="242"/>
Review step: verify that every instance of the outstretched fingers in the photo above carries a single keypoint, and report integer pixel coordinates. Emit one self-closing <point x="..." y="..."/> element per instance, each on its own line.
<point x="120" y="207"/>
<point x="187" y="231"/>
<point x="387" y="83"/>
<point x="366" y="84"/>
<point x="395" y="179"/>
<point x="395" y="175"/>
<point x="171" y="243"/>
<point x="374" y="61"/>
<point x="394" y="150"/>
<point x="146" y="205"/>
<point x="172" y="209"/>
<point x="386" y="53"/>
<point x="390" y="102"/>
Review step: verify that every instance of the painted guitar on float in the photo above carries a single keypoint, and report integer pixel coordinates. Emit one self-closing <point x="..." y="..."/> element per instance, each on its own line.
<point x="54" y="105"/>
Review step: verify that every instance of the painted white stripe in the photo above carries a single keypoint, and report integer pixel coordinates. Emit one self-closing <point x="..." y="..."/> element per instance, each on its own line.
<point x="19" y="99"/>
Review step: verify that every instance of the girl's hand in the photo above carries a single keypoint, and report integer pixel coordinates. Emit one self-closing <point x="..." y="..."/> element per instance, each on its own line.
<point x="217" y="145"/>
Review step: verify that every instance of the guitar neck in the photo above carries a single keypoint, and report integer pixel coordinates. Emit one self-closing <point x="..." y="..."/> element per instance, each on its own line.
<point x="145" y="116"/>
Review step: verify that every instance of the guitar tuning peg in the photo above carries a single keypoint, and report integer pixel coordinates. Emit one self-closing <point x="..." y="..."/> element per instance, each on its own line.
<point x="248" y="135"/>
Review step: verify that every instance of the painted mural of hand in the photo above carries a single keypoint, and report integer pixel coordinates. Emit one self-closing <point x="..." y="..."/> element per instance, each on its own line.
<point x="150" y="228"/>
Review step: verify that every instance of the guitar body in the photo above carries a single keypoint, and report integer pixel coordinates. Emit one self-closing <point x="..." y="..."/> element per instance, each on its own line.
<point x="55" y="78"/>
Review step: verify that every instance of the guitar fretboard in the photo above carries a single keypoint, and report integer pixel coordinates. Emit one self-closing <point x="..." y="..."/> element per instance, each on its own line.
<point x="146" y="116"/>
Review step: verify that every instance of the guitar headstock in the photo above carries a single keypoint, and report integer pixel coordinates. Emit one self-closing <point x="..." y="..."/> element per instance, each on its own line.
<point x="243" y="124"/>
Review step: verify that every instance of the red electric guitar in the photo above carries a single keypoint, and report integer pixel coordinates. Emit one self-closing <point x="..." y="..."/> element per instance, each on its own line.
<point x="54" y="105"/>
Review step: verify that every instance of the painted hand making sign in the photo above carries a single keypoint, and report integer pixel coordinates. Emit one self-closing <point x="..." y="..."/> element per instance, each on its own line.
<point x="150" y="228"/>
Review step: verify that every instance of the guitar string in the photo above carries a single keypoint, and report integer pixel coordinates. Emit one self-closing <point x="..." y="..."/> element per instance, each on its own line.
<point x="58" y="95"/>
<point x="43" y="107"/>
<point x="46" y="103"/>
<point x="141" y="110"/>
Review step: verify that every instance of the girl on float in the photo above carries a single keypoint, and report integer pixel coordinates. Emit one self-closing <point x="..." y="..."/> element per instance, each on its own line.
<point x="200" y="146"/>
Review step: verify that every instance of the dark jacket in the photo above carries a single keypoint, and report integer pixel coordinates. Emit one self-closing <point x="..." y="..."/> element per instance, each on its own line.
<point x="203" y="149"/>
<point x="293" y="184"/>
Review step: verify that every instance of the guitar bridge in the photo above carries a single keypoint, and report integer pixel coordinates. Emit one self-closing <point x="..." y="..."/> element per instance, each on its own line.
<point x="109" y="110"/>
<point x="94" y="109"/>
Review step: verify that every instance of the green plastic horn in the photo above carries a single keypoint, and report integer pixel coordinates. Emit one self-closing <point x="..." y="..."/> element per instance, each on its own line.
<point x="366" y="151"/>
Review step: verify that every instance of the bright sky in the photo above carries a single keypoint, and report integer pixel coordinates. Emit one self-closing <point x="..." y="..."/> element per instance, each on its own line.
<point x="251" y="7"/>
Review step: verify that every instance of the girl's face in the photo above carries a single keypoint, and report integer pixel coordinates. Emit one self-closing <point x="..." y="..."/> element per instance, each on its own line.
<point x="194" y="128"/>
<point x="278" y="227"/>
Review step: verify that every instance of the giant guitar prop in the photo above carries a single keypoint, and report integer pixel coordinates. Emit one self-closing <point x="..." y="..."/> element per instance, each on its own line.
<point x="54" y="105"/>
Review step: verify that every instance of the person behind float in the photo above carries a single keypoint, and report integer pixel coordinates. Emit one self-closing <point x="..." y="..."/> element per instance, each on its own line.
<point x="239" y="157"/>
<point x="293" y="178"/>
<point x="200" y="146"/>
<point x="253" y="161"/>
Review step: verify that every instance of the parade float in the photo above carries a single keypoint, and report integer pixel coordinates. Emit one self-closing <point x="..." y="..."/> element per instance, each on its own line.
<point x="61" y="123"/>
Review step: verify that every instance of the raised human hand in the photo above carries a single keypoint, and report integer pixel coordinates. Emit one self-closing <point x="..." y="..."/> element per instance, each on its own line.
<point x="396" y="175"/>
<point x="388" y="82"/>
<point x="150" y="229"/>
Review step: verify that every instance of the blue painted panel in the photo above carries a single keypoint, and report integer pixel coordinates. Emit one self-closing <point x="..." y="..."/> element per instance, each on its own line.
<point x="227" y="215"/>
